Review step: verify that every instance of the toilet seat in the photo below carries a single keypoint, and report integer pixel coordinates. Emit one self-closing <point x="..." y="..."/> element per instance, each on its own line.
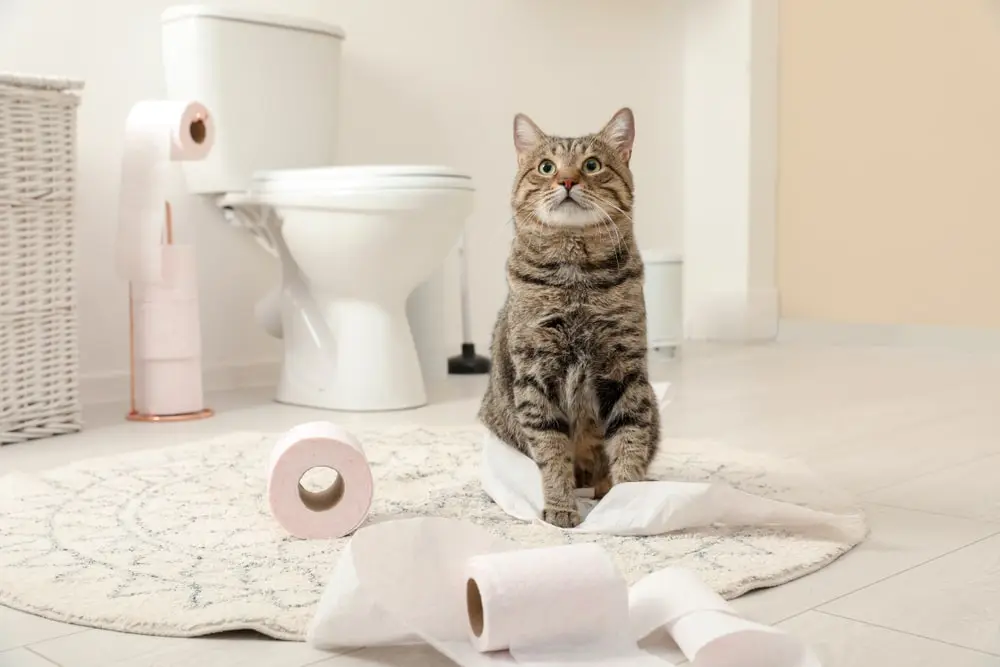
<point x="357" y="179"/>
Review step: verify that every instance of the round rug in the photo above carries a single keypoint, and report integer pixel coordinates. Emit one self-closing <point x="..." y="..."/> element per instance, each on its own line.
<point x="179" y="541"/>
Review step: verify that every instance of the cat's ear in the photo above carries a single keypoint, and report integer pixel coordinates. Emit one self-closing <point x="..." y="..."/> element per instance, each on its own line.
<point x="619" y="133"/>
<point x="527" y="136"/>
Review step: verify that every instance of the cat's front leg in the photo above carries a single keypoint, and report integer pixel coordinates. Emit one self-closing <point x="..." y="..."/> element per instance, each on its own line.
<point x="546" y="431"/>
<point x="628" y="411"/>
<point x="602" y="476"/>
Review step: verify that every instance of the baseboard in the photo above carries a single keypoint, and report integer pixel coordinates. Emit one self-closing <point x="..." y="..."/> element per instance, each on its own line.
<point x="109" y="387"/>
<point x="744" y="317"/>
<point x="888" y="335"/>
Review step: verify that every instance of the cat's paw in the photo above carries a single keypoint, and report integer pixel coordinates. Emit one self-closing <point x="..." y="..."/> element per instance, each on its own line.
<point x="561" y="518"/>
<point x="602" y="488"/>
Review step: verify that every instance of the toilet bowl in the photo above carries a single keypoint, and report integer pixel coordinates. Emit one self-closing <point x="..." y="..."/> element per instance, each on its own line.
<point x="354" y="243"/>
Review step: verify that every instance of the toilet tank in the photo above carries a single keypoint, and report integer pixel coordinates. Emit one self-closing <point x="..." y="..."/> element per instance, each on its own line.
<point x="271" y="84"/>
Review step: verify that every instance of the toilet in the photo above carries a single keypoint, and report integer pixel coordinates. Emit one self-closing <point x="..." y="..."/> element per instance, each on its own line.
<point x="360" y="247"/>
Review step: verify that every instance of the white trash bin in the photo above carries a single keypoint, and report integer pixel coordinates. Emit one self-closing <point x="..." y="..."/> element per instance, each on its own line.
<point x="664" y="293"/>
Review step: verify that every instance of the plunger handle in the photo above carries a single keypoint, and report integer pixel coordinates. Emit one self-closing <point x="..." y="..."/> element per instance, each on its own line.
<point x="468" y="362"/>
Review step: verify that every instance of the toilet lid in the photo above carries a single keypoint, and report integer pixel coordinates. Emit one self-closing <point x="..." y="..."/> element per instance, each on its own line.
<point x="367" y="178"/>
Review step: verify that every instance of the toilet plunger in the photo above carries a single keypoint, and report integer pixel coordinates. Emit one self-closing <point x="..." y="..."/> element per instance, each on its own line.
<point x="467" y="363"/>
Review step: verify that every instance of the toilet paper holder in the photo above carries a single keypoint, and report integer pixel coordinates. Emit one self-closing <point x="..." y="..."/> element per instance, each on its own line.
<point x="134" y="414"/>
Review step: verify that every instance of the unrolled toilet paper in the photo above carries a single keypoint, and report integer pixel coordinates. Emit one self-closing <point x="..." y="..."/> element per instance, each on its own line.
<point x="157" y="132"/>
<point x="514" y="483"/>
<point x="481" y="602"/>
<point x="331" y="513"/>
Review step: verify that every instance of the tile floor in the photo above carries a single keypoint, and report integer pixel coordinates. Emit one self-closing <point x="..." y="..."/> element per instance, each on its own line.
<point x="914" y="432"/>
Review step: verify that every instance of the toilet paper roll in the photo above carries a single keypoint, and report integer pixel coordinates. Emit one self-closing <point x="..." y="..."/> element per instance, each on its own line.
<point x="165" y="387"/>
<point x="334" y="512"/>
<point x="157" y="132"/>
<point x="536" y="598"/>
<point x="557" y="606"/>
<point x="166" y="315"/>
<point x="706" y="628"/>
<point x="167" y="330"/>
<point x="179" y="281"/>
<point x="167" y="337"/>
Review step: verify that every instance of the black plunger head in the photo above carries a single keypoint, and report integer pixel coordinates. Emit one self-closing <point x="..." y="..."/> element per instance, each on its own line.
<point x="468" y="363"/>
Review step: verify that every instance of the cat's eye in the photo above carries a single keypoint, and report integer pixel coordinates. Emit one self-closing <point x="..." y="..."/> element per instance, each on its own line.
<point x="547" y="168"/>
<point x="591" y="165"/>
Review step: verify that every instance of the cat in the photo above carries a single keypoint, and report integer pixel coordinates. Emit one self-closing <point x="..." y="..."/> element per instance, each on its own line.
<point x="569" y="385"/>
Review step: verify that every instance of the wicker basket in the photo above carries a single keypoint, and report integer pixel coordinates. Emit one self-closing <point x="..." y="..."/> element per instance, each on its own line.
<point x="39" y="358"/>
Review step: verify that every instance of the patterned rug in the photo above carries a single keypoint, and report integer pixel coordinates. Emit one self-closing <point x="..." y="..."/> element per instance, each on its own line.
<point x="179" y="541"/>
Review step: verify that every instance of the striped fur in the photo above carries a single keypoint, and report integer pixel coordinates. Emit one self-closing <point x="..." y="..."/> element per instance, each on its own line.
<point x="569" y="385"/>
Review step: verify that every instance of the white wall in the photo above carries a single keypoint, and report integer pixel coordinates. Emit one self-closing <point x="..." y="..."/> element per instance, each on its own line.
<point x="730" y="65"/>
<point x="436" y="81"/>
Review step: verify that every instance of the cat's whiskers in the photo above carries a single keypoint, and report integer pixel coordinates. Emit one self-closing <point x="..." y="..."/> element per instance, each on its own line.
<point x="594" y="200"/>
<point x="528" y="206"/>
<point x="606" y="202"/>
<point x="601" y="200"/>
<point x="606" y="221"/>
<point x="551" y="200"/>
<point x="517" y="211"/>
<point x="606" y="224"/>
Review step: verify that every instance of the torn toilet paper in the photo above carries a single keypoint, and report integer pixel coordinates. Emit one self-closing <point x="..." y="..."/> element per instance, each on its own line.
<point x="481" y="602"/>
<point x="514" y="483"/>
<point x="157" y="132"/>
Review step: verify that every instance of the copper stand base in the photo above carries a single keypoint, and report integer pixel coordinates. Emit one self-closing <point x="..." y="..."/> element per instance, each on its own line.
<point x="186" y="417"/>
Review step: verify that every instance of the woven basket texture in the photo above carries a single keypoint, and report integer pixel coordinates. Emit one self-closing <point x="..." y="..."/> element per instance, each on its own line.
<point x="39" y="354"/>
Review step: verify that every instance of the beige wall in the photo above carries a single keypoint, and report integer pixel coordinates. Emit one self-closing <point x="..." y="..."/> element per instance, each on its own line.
<point x="889" y="186"/>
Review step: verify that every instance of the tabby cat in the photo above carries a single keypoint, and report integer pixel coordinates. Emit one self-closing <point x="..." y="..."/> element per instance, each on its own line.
<point x="569" y="385"/>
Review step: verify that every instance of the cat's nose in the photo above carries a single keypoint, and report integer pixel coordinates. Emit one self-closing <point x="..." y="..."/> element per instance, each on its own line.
<point x="568" y="183"/>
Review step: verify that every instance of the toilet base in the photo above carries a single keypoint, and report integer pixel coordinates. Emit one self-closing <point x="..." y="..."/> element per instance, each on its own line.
<point x="358" y="357"/>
